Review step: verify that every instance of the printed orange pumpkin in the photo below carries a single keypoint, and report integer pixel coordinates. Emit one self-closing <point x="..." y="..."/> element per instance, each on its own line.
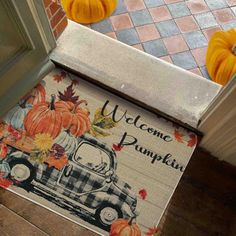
<point x="44" y="118"/>
<point x="74" y="118"/>
<point x="36" y="95"/>
<point x="122" y="227"/>
<point x="88" y="11"/>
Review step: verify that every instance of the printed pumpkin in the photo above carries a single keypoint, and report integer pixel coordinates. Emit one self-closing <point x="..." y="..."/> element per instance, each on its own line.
<point x="122" y="227"/>
<point x="88" y="11"/>
<point x="44" y="118"/>
<point x="74" y="118"/>
<point x="37" y="95"/>
<point x="16" y="115"/>
<point x="67" y="141"/>
<point x="221" y="56"/>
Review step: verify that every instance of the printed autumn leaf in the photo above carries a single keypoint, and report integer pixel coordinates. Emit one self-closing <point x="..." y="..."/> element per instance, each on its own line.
<point x="10" y="129"/>
<point x="117" y="147"/>
<point x="96" y="131"/>
<point x="16" y="135"/>
<point x="5" y="183"/>
<point x="57" y="151"/>
<point x="143" y="193"/>
<point x="59" y="77"/>
<point x="192" y="141"/>
<point x="3" y="150"/>
<point x="2" y="128"/>
<point x="178" y="136"/>
<point x="75" y="82"/>
<point x="100" y="124"/>
<point x="151" y="231"/>
<point x="101" y="121"/>
<point x="57" y="163"/>
<point x="38" y="156"/>
<point x="68" y="95"/>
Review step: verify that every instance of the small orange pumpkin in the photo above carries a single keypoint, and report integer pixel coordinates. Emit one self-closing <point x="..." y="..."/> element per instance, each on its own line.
<point x="74" y="118"/>
<point x="122" y="227"/>
<point x="36" y="95"/>
<point x="44" y="118"/>
<point x="88" y="11"/>
<point x="221" y="56"/>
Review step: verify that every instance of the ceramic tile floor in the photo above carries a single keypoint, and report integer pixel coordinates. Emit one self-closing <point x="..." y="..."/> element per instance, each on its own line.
<point x="176" y="31"/>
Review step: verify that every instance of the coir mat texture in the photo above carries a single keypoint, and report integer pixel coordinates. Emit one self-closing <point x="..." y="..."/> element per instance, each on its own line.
<point x="91" y="156"/>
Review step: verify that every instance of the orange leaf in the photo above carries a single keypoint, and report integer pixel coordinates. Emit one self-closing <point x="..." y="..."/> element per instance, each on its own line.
<point x="59" y="77"/>
<point x="151" y="231"/>
<point x="178" y="136"/>
<point x="57" y="163"/>
<point x="193" y="140"/>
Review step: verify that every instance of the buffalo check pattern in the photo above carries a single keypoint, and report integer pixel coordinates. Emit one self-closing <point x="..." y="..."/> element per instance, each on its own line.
<point x="177" y="31"/>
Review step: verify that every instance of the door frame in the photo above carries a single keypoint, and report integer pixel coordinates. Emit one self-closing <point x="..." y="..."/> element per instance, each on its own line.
<point x="218" y="124"/>
<point x="28" y="66"/>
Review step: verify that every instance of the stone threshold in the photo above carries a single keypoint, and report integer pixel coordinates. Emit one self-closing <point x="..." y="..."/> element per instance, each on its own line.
<point x="150" y="82"/>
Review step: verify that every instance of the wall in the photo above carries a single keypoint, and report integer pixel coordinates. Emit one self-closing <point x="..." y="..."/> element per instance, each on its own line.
<point x="56" y="16"/>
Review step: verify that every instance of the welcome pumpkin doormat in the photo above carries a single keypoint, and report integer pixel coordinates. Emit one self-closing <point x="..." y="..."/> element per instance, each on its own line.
<point x="92" y="157"/>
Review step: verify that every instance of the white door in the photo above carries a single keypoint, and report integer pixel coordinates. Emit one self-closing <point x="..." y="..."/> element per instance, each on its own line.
<point x="25" y="40"/>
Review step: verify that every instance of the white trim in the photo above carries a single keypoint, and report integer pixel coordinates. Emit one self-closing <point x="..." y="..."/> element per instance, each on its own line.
<point x="219" y="125"/>
<point x="38" y="13"/>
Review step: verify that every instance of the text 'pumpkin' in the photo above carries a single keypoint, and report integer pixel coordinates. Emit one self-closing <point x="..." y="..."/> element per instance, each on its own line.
<point x="88" y="11"/>
<point x="221" y="56"/>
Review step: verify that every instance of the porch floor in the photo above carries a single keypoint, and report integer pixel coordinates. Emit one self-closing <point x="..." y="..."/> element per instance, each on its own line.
<point x="176" y="31"/>
<point x="204" y="204"/>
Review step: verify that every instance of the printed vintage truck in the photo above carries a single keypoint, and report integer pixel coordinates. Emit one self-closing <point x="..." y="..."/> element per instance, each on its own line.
<point x="88" y="180"/>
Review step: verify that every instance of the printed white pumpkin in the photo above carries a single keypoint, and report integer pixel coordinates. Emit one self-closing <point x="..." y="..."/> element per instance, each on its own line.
<point x="67" y="141"/>
<point x="16" y="115"/>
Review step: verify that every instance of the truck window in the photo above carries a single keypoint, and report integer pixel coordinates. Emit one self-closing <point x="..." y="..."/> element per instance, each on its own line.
<point x="92" y="157"/>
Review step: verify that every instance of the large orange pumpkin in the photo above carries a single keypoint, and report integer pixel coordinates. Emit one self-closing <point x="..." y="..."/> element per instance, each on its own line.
<point x="122" y="227"/>
<point x="44" y="118"/>
<point x="88" y="11"/>
<point x="221" y="56"/>
<point x="36" y="95"/>
<point x="74" y="118"/>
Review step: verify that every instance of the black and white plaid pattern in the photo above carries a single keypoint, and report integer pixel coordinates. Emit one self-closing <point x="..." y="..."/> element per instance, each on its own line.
<point x="83" y="184"/>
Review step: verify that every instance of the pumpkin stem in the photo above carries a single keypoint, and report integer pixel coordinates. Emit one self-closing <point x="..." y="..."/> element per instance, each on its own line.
<point x="52" y="103"/>
<point x="233" y="49"/>
<point x="79" y="103"/>
<point x="131" y="220"/>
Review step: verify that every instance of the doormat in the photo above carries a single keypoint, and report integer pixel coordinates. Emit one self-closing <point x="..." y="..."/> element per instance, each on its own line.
<point x="91" y="156"/>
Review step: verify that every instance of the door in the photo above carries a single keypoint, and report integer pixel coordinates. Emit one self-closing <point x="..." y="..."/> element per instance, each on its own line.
<point x="25" y="40"/>
<point x="86" y="172"/>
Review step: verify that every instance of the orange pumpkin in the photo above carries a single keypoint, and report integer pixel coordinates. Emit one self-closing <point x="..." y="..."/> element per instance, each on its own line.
<point x="88" y="11"/>
<point x="36" y="95"/>
<point x="122" y="227"/>
<point x="44" y="118"/>
<point x="74" y="118"/>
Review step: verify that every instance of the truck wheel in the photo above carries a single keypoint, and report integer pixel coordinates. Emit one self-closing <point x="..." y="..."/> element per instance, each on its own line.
<point x="22" y="171"/>
<point x="107" y="214"/>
